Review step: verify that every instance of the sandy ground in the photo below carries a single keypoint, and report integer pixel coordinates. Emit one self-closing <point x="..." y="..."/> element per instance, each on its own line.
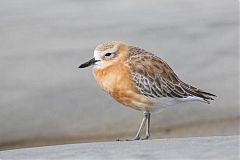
<point x="212" y="148"/>
<point x="44" y="96"/>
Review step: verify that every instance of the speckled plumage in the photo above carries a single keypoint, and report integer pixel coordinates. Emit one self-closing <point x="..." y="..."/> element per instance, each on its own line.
<point x="155" y="79"/>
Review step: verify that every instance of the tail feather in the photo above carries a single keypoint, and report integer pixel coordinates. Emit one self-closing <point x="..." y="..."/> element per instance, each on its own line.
<point x="193" y="91"/>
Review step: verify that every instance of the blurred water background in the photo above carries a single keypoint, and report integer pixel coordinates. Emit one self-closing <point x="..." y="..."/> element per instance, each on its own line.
<point x="45" y="99"/>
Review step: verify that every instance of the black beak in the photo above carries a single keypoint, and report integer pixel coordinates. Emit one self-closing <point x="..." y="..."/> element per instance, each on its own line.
<point x="88" y="63"/>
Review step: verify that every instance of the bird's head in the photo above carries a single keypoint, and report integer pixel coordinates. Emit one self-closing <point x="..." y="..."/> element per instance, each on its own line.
<point x="106" y="54"/>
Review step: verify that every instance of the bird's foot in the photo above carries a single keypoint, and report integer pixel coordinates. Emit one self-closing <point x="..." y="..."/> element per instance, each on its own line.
<point x="146" y="138"/>
<point x="133" y="139"/>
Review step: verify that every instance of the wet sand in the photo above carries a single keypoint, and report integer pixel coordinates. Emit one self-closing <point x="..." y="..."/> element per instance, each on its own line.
<point x="221" y="148"/>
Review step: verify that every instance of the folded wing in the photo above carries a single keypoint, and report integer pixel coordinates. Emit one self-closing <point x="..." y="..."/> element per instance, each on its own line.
<point x="155" y="79"/>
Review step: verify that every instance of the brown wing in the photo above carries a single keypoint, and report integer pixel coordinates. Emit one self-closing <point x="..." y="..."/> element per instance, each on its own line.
<point x="154" y="78"/>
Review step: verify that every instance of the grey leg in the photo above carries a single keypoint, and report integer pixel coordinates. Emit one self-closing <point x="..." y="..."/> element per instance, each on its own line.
<point x="148" y="115"/>
<point x="137" y="137"/>
<point x="143" y="123"/>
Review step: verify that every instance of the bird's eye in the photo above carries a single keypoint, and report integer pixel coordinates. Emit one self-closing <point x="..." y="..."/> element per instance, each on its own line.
<point x="108" y="54"/>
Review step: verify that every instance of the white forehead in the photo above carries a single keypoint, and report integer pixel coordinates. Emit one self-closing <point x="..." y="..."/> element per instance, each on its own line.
<point x="99" y="54"/>
<point x="106" y="47"/>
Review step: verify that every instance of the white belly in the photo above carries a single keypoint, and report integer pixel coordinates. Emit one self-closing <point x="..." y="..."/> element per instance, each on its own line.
<point x="165" y="102"/>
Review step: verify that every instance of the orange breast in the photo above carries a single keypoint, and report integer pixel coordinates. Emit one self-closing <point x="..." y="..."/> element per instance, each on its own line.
<point x="116" y="80"/>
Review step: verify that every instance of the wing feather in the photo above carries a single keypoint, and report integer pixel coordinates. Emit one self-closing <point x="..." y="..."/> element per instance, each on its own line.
<point x="154" y="78"/>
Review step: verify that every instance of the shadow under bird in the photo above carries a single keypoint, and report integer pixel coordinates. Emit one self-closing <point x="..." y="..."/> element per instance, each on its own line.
<point x="140" y="80"/>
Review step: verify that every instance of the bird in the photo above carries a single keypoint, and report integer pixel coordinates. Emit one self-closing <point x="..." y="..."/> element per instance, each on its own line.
<point x="140" y="80"/>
